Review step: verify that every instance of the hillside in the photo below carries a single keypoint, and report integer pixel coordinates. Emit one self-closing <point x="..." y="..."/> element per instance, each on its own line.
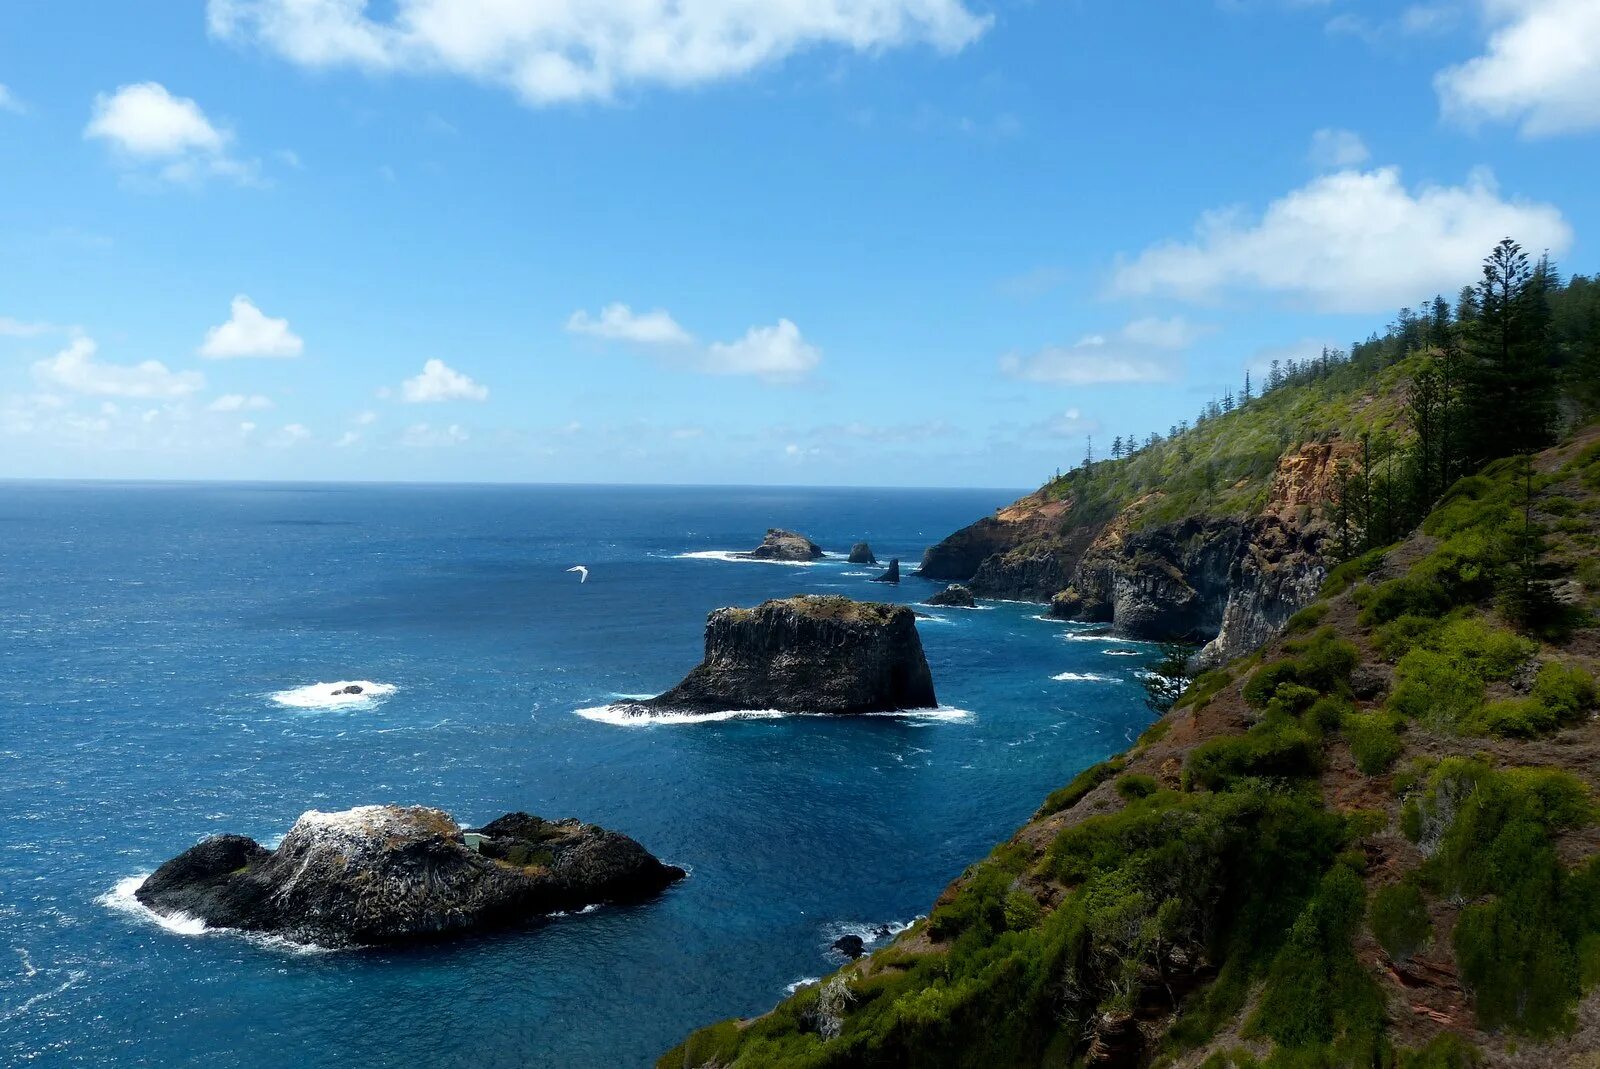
<point x="1373" y="842"/>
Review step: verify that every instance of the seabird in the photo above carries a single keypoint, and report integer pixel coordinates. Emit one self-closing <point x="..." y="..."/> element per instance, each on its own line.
<point x="583" y="573"/>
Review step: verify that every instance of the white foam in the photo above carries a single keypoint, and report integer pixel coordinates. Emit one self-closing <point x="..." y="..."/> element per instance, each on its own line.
<point x="621" y="716"/>
<point x="734" y="556"/>
<point x="857" y="574"/>
<point x="1102" y="637"/>
<point x="804" y="981"/>
<point x="322" y="696"/>
<point x="1120" y="653"/>
<point x="1083" y="677"/>
<point x="121" y="899"/>
<point x="929" y="618"/>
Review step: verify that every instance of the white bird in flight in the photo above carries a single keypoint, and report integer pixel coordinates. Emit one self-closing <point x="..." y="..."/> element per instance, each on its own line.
<point x="583" y="573"/>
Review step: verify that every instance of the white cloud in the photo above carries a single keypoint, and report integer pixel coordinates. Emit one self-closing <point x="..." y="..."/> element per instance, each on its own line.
<point x="1538" y="69"/>
<point x="618" y="322"/>
<point x="16" y="328"/>
<point x="365" y="418"/>
<point x="1347" y="242"/>
<point x="1070" y="424"/>
<point x="1141" y="351"/>
<point x="9" y="101"/>
<point x="347" y="439"/>
<point x="777" y="353"/>
<point x="146" y="124"/>
<point x="238" y="402"/>
<point x="146" y="120"/>
<point x="74" y="368"/>
<point x="292" y="434"/>
<point x="1335" y="150"/>
<point x="554" y="52"/>
<point x="425" y="436"/>
<point x="440" y="382"/>
<point x="250" y="333"/>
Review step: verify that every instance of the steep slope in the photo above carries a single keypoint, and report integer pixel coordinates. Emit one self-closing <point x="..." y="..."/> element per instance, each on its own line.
<point x="1211" y="534"/>
<point x="1372" y="843"/>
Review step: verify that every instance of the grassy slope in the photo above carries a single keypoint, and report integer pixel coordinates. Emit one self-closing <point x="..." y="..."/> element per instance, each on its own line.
<point x="1223" y="467"/>
<point x="1372" y="844"/>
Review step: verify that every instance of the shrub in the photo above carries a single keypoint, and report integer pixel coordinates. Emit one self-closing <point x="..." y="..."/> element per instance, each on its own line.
<point x="1428" y="687"/>
<point x="1203" y="687"/>
<point x="1276" y="748"/>
<point x="1327" y="713"/>
<point x="1137" y="785"/>
<point x="1567" y="691"/>
<point x="1346" y="575"/>
<point x="1399" y="919"/>
<point x="1321" y="664"/>
<point x="1560" y="695"/>
<point x="1445" y="1051"/>
<point x="1374" y="741"/>
<point x="1084" y="782"/>
<point x="1396" y="638"/>
<point x="1306" y="619"/>
<point x="1021" y="911"/>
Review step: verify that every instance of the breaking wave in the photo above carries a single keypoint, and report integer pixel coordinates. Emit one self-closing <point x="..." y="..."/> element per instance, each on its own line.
<point x="621" y="716"/>
<point x="330" y="696"/>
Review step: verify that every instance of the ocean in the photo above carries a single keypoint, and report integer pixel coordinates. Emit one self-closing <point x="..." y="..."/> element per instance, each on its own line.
<point x="163" y="650"/>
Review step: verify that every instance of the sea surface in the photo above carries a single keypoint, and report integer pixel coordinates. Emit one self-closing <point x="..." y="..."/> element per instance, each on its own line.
<point x="156" y="646"/>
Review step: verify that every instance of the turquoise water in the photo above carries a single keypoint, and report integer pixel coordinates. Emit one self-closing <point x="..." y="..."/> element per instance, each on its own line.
<point x="153" y="633"/>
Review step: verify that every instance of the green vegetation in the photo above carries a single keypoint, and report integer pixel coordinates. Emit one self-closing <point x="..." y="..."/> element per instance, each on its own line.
<point x="1084" y="782"/>
<point x="1399" y="919"/>
<point x="1374" y="740"/>
<point x="1489" y="835"/>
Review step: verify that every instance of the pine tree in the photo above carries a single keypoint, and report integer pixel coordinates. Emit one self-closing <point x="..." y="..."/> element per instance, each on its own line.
<point x="1511" y="389"/>
<point x="1247" y="394"/>
<point x="1116" y="448"/>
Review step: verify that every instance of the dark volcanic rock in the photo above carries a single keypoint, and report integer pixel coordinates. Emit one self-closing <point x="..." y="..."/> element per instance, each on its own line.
<point x="954" y="595"/>
<point x="386" y="874"/>
<point x="861" y="553"/>
<point x="851" y="946"/>
<point x="892" y="575"/>
<point x="784" y="545"/>
<point x="351" y="689"/>
<point x="806" y="654"/>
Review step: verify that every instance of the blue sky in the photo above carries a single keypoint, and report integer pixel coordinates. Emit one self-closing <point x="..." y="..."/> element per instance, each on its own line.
<point x="880" y="242"/>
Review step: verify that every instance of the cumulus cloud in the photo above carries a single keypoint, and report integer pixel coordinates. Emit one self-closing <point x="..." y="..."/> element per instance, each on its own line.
<point x="291" y="434"/>
<point x="1347" y="242"/>
<point x="250" y="333"/>
<point x="16" y="328"/>
<point x="239" y="402"/>
<point x="145" y="124"/>
<point x="75" y="368"/>
<point x="425" y="436"/>
<point x="440" y="382"/>
<point x="1143" y="350"/>
<point x="550" y="53"/>
<point x="618" y="322"/>
<point x="1538" y="69"/>
<point x="1334" y="150"/>
<point x="777" y="353"/>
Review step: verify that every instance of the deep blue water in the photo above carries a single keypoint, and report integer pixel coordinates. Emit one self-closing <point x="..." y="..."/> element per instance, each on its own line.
<point x="144" y="630"/>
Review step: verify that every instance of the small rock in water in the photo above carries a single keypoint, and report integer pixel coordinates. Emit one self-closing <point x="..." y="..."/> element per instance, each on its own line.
<point x="892" y="575"/>
<point x="351" y="689"/>
<point x="851" y="946"/>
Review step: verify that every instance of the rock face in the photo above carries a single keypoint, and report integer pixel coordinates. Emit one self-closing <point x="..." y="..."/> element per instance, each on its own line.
<point x="784" y="545"/>
<point x="806" y="654"/>
<point x="388" y="874"/>
<point x="958" y="557"/>
<point x="861" y="553"/>
<point x="893" y="573"/>
<point x="954" y="595"/>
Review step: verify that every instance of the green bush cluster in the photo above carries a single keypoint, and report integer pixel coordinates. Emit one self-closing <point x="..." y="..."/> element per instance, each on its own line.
<point x="1443" y="679"/>
<point x="1374" y="740"/>
<point x="1560" y="696"/>
<point x="1137" y="785"/>
<point x="1399" y="919"/>
<point x="1490" y="839"/>
<point x="1279" y="747"/>
<point x="1081" y="784"/>
<point x="1318" y="664"/>
<point x="1204" y="687"/>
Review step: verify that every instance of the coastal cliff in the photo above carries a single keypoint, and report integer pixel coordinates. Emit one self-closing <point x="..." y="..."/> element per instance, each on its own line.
<point x="817" y="654"/>
<point x="388" y="874"/>
<point x="1371" y="843"/>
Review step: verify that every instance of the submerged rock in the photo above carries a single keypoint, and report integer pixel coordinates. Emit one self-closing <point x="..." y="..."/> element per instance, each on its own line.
<point x="861" y="553"/>
<point x="351" y="689"/>
<point x="388" y="874"/>
<point x="806" y="654"/>
<point x="890" y="576"/>
<point x="784" y="545"/>
<point x="954" y="595"/>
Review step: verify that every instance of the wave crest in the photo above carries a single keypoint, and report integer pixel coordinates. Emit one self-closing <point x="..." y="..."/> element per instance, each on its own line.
<point x="323" y="696"/>
<point x="620" y="715"/>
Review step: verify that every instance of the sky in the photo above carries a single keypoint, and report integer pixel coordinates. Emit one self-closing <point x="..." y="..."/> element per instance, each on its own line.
<point x="817" y="242"/>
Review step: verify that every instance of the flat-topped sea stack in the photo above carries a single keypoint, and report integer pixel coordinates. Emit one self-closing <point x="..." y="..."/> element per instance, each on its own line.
<point x="784" y="545"/>
<point x="861" y="553"/>
<point x="808" y="654"/>
<point x="390" y="874"/>
<point x="954" y="596"/>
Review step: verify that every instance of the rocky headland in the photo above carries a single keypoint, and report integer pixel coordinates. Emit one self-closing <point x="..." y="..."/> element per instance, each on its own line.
<point x="811" y="654"/>
<point x="784" y="545"/>
<point x="390" y="874"/>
